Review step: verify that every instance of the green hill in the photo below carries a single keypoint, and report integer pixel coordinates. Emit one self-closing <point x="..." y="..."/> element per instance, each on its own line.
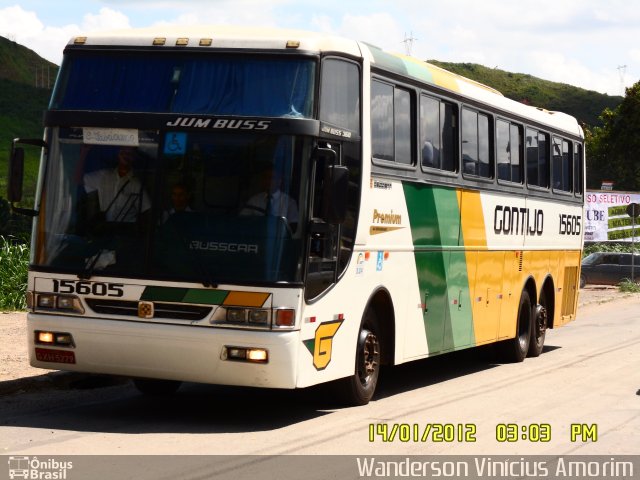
<point x="22" y="104"/>
<point x="585" y="105"/>
<point x="20" y="65"/>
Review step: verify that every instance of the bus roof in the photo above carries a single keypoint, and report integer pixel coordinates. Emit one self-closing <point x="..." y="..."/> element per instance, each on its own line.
<point x="213" y="36"/>
<point x="232" y="37"/>
<point x="425" y="72"/>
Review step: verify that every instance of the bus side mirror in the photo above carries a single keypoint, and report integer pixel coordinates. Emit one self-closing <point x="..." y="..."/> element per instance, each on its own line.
<point x="335" y="195"/>
<point x="16" y="175"/>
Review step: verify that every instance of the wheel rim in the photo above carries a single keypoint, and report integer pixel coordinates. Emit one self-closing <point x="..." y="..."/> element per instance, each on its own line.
<point x="523" y="325"/>
<point x="370" y="358"/>
<point x="541" y="322"/>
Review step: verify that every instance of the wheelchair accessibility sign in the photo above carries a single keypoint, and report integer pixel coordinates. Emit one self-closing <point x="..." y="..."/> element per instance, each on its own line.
<point x="175" y="143"/>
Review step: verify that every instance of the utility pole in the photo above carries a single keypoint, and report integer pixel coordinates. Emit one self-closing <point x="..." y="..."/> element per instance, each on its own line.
<point x="622" y="70"/>
<point x="408" y="43"/>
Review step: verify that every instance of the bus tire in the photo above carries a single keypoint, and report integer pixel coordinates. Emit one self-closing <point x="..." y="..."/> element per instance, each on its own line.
<point x="360" y="387"/>
<point x="539" y="327"/>
<point x="515" y="350"/>
<point x="156" y="387"/>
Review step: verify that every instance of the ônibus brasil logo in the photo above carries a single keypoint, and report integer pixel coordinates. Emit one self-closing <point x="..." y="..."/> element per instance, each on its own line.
<point x="33" y="468"/>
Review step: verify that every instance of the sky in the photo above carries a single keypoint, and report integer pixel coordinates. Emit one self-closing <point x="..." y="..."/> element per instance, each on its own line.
<point x="593" y="44"/>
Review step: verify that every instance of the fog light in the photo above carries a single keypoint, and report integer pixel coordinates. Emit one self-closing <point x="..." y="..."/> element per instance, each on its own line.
<point x="44" y="337"/>
<point x="236" y="315"/>
<point x="285" y="318"/>
<point x="258" y="355"/>
<point x="46" y="301"/>
<point x="259" y="316"/>
<point x="242" y="354"/>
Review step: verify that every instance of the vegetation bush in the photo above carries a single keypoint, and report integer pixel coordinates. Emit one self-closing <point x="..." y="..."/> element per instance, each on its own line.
<point x="14" y="262"/>
<point x="629" y="286"/>
<point x="609" y="247"/>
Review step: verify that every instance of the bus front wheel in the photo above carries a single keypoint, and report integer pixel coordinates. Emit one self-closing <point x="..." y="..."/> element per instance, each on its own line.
<point x="360" y="387"/>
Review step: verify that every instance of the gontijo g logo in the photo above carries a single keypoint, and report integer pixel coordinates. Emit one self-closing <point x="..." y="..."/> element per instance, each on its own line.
<point x="322" y="344"/>
<point x="32" y="468"/>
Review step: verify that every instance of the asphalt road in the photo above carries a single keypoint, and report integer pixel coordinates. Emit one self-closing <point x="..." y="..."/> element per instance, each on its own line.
<point x="587" y="379"/>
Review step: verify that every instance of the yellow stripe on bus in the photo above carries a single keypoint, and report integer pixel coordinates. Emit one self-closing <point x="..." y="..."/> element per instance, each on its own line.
<point x="246" y="299"/>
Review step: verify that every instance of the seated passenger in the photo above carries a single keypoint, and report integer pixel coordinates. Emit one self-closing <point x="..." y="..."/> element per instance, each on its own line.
<point x="121" y="197"/>
<point x="271" y="200"/>
<point x="180" y="198"/>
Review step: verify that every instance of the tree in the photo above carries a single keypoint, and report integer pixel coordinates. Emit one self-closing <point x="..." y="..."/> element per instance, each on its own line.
<point x="613" y="150"/>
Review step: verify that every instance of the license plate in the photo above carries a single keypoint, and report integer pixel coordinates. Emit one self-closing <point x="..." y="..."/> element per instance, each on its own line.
<point x="55" y="356"/>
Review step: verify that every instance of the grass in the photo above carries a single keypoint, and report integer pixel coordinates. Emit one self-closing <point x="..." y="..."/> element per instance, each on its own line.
<point x="14" y="262"/>
<point x="628" y="286"/>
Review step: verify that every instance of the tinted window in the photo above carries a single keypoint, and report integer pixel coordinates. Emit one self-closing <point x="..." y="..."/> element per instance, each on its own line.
<point x="476" y="143"/>
<point x="382" y="120"/>
<point x="430" y="131"/>
<point x="561" y="165"/>
<point x="470" y="142"/>
<point x="515" y="135"/>
<point x="508" y="148"/>
<point x="438" y="135"/>
<point x="577" y="167"/>
<point x="167" y="82"/>
<point x="340" y="94"/>
<point x="402" y="120"/>
<point x="391" y="123"/>
<point x="537" y="158"/>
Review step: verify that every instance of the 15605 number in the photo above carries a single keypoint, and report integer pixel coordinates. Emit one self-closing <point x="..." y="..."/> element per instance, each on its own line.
<point x="82" y="287"/>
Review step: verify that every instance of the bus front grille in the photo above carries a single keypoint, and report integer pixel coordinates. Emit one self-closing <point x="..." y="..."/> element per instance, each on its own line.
<point x="173" y="311"/>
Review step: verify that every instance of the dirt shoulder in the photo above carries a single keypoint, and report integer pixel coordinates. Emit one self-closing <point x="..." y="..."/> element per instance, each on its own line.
<point x="14" y="358"/>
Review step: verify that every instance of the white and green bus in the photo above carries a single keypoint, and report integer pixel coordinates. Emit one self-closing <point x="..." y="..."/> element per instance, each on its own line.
<point x="282" y="209"/>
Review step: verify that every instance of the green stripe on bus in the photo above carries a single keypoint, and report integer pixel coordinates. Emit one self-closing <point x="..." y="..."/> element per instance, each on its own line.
<point x="207" y="297"/>
<point x="184" y="295"/>
<point x="442" y="271"/>
<point x="163" y="294"/>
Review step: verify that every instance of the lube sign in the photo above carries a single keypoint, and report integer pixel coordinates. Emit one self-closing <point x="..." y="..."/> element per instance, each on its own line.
<point x="606" y="217"/>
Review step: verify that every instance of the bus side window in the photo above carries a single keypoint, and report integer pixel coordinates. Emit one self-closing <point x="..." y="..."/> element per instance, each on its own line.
<point x="477" y="154"/>
<point x="392" y="129"/>
<point x="430" y="130"/>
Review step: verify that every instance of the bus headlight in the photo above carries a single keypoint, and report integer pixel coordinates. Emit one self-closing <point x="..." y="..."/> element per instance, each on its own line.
<point x="236" y="315"/>
<point x="255" y="318"/>
<point x="46" y="301"/>
<point x="62" y="303"/>
<point x="259" y="316"/>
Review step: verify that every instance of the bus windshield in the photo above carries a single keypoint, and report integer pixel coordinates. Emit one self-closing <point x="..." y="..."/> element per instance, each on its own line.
<point x="206" y="207"/>
<point x="161" y="82"/>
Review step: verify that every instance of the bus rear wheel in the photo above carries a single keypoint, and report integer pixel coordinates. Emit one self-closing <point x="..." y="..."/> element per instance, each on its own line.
<point x="156" y="387"/>
<point x="516" y="349"/>
<point x="539" y="327"/>
<point x="359" y="388"/>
